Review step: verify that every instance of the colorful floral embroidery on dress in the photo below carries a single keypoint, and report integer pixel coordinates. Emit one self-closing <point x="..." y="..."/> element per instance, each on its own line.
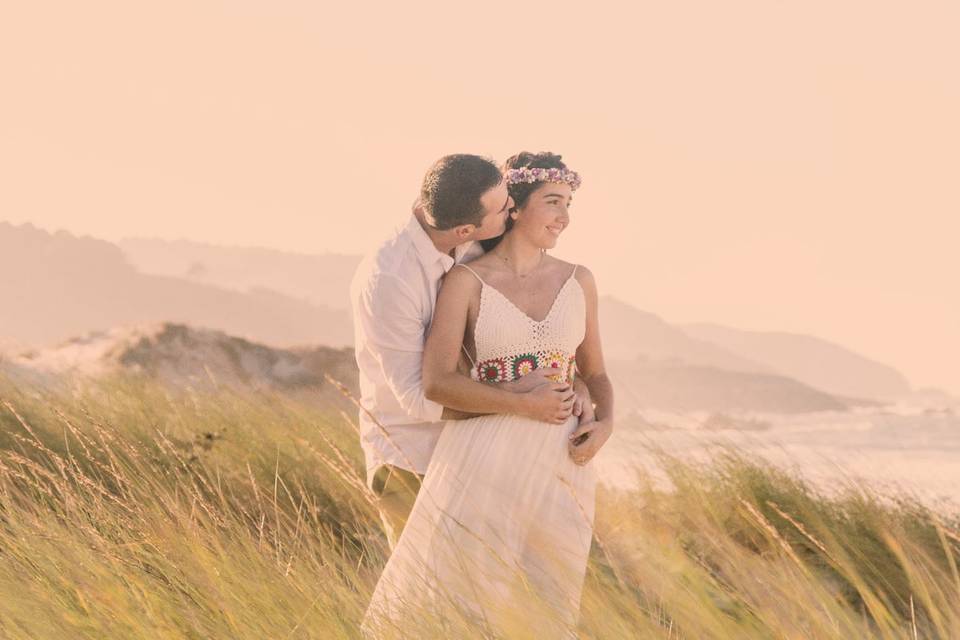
<point x="515" y="367"/>
<point x="522" y="365"/>
<point x="493" y="370"/>
<point x="555" y="359"/>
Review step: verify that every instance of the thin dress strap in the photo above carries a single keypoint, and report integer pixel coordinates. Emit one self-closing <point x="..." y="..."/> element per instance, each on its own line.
<point x="467" y="353"/>
<point x="473" y="364"/>
<point x="460" y="264"/>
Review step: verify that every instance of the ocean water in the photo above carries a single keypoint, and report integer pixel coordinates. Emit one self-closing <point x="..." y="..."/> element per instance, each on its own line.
<point x="893" y="450"/>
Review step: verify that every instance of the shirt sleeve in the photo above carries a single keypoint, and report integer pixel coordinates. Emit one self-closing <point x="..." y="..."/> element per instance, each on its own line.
<point x="392" y="322"/>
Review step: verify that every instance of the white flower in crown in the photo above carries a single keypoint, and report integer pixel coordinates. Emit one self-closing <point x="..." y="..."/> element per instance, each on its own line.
<point x="539" y="174"/>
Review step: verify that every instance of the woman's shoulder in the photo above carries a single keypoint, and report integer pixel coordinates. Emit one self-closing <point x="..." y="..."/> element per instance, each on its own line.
<point x="584" y="277"/>
<point x="462" y="277"/>
<point x="579" y="271"/>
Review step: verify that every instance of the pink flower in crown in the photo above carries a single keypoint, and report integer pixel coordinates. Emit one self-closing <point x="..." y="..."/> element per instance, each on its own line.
<point x="539" y="174"/>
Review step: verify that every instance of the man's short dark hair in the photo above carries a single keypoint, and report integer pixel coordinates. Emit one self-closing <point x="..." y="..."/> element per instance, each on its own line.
<point x="452" y="188"/>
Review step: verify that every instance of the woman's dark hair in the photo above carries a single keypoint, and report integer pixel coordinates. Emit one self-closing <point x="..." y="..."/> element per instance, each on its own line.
<point x="520" y="192"/>
<point x="452" y="188"/>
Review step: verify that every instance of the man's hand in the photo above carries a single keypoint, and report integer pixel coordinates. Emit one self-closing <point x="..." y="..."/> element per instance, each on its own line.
<point x="587" y="439"/>
<point x="550" y="402"/>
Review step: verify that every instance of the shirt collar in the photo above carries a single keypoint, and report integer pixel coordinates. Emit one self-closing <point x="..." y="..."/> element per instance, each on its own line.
<point x="428" y="252"/>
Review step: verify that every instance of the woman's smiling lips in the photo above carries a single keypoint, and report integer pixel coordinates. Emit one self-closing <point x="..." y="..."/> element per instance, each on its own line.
<point x="555" y="230"/>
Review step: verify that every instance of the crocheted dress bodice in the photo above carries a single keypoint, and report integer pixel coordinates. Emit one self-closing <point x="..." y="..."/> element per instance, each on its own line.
<point x="511" y="344"/>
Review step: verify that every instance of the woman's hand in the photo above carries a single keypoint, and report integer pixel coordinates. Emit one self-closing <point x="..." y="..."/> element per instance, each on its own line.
<point x="588" y="439"/>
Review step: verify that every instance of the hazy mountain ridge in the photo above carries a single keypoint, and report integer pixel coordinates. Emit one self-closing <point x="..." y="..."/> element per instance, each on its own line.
<point x="814" y="361"/>
<point x="673" y="387"/>
<point x="79" y="285"/>
<point x="630" y="334"/>
<point x="28" y="247"/>
<point x="322" y="280"/>
<point x="57" y="286"/>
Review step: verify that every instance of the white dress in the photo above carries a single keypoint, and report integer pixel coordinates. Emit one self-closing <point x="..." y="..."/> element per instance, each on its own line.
<point x="501" y="528"/>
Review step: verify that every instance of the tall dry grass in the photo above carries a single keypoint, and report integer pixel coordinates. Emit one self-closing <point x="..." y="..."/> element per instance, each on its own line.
<point x="128" y="510"/>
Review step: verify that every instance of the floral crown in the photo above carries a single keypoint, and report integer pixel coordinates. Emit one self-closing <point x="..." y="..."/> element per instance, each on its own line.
<point x="538" y="174"/>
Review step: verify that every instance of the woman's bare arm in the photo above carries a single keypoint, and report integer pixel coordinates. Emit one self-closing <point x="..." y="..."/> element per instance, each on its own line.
<point x="594" y="374"/>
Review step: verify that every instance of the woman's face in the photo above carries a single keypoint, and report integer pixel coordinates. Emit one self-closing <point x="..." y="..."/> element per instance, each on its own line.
<point x="545" y="214"/>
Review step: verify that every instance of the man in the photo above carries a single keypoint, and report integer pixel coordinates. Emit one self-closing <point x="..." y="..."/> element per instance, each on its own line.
<point x="463" y="200"/>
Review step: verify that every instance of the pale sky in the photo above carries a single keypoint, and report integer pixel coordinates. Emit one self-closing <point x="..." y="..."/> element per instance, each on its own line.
<point x="766" y="165"/>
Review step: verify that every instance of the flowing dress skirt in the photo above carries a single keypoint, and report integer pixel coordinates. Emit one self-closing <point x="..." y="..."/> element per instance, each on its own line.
<point x="498" y="537"/>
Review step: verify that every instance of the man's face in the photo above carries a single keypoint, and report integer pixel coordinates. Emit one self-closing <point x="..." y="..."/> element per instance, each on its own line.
<point x="496" y="206"/>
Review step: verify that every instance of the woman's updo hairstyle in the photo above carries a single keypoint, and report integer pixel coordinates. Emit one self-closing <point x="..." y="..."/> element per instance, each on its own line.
<point x="520" y="192"/>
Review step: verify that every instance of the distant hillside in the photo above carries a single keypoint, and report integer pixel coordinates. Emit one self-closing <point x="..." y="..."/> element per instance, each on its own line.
<point x="322" y="280"/>
<point x="55" y="286"/>
<point x="204" y="358"/>
<point x="630" y="334"/>
<point x="816" y="362"/>
<point x="187" y="356"/>
<point x="640" y="385"/>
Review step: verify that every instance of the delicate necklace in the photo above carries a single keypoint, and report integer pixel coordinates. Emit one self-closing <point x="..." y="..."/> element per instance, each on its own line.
<point x="506" y="261"/>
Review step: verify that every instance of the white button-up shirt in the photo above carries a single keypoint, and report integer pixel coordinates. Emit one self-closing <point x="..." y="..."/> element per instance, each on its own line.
<point x="393" y="294"/>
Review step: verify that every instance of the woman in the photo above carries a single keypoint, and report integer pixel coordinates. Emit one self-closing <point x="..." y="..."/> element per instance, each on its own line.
<point x="501" y="530"/>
